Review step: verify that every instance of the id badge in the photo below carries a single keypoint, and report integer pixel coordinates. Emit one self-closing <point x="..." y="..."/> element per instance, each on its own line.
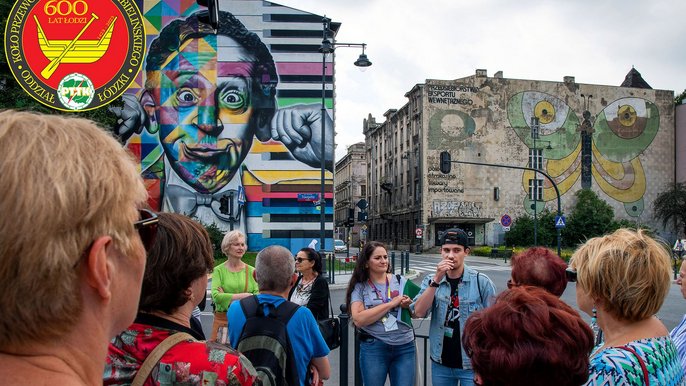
<point x="448" y="332"/>
<point x="391" y="323"/>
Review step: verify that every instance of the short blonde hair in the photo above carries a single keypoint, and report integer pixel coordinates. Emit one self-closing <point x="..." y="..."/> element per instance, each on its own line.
<point x="627" y="271"/>
<point x="231" y="237"/>
<point x="64" y="182"/>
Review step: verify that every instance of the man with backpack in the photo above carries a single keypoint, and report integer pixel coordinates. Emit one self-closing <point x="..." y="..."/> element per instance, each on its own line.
<point x="280" y="338"/>
<point x="451" y="295"/>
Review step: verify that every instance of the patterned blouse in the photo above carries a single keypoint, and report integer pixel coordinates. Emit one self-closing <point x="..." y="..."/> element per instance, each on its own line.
<point x="616" y="366"/>
<point x="187" y="363"/>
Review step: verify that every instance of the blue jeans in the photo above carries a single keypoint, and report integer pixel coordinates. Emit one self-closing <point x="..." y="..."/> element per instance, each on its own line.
<point x="378" y="359"/>
<point x="446" y="376"/>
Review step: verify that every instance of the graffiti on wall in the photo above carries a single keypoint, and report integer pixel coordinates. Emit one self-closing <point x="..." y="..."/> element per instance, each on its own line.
<point x="603" y="148"/>
<point x="227" y="124"/>
<point x="456" y="209"/>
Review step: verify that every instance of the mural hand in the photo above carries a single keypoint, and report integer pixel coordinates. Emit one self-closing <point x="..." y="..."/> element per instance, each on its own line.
<point x="130" y="118"/>
<point x="299" y="129"/>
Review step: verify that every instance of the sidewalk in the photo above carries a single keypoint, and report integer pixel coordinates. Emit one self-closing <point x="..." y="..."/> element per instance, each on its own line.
<point x="343" y="278"/>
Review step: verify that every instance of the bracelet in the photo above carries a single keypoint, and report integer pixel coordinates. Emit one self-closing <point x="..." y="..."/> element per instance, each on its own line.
<point x="432" y="283"/>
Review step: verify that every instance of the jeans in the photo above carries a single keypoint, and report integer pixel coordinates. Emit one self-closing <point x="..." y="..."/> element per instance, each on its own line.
<point x="378" y="360"/>
<point x="446" y="376"/>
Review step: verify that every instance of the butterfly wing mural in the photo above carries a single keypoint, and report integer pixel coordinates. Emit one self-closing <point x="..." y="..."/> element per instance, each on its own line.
<point x="604" y="148"/>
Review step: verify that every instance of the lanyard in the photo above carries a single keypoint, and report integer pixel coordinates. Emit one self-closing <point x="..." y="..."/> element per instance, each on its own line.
<point x="378" y="294"/>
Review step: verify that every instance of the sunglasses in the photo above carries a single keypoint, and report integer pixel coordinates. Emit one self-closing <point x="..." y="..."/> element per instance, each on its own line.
<point x="300" y="259"/>
<point x="571" y="275"/>
<point x="147" y="227"/>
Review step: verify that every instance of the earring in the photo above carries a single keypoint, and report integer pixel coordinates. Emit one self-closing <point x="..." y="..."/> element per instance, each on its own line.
<point x="597" y="334"/>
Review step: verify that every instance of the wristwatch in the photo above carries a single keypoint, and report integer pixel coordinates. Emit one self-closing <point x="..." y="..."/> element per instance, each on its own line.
<point x="432" y="283"/>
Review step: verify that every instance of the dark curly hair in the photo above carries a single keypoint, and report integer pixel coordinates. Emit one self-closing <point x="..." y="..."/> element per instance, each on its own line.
<point x="263" y="71"/>
<point x="181" y="254"/>
<point x="529" y="337"/>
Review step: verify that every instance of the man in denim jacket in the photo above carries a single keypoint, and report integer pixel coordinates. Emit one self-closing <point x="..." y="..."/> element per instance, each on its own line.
<point x="451" y="295"/>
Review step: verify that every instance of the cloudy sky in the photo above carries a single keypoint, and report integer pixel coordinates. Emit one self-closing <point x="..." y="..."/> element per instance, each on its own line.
<point x="409" y="41"/>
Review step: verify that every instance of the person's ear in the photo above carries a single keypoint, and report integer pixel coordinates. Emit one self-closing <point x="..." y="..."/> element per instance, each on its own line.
<point x="294" y="278"/>
<point x="150" y="107"/>
<point x="98" y="268"/>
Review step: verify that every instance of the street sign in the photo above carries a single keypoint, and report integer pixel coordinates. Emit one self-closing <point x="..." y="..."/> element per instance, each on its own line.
<point x="308" y="196"/>
<point x="560" y="222"/>
<point x="506" y="229"/>
<point x="506" y="221"/>
<point x="418" y="232"/>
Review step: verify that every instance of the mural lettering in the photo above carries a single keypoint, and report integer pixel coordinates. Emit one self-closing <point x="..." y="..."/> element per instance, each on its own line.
<point x="448" y="94"/>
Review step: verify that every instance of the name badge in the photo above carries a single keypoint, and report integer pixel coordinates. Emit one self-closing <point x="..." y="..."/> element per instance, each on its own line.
<point x="391" y="323"/>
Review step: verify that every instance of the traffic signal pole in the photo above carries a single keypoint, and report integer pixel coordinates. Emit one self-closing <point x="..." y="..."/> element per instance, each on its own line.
<point x="445" y="162"/>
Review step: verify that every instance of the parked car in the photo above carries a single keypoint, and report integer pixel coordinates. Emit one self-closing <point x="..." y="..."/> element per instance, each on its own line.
<point x="339" y="246"/>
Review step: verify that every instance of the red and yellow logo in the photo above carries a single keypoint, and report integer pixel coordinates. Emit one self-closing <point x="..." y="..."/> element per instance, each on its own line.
<point x="75" y="54"/>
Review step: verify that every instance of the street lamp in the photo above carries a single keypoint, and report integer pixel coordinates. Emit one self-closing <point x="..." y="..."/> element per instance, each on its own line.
<point x="362" y="61"/>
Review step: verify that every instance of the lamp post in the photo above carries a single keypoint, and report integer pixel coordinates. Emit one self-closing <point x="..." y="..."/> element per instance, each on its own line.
<point x="328" y="47"/>
<point x="534" y="164"/>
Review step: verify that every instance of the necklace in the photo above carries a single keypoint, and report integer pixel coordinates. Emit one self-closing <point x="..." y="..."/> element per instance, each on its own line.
<point x="305" y="283"/>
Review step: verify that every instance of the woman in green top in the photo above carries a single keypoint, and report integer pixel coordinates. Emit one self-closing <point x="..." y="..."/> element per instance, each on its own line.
<point x="232" y="280"/>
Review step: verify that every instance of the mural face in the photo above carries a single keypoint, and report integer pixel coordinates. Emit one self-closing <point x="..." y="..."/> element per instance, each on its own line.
<point x="220" y="137"/>
<point x="205" y="109"/>
<point x="603" y="148"/>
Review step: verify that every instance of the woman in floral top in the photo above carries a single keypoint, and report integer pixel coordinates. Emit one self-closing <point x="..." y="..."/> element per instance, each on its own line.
<point x="622" y="281"/>
<point x="174" y="283"/>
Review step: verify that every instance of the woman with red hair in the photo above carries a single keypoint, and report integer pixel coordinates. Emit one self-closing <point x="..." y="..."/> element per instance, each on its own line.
<point x="539" y="267"/>
<point x="528" y="337"/>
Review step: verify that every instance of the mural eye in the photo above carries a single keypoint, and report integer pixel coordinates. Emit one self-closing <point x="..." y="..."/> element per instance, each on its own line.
<point x="626" y="115"/>
<point x="233" y="99"/>
<point x="544" y="111"/>
<point x="186" y="97"/>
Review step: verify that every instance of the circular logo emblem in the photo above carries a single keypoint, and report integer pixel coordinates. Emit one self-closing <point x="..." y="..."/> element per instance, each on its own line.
<point x="75" y="54"/>
<point x="75" y="91"/>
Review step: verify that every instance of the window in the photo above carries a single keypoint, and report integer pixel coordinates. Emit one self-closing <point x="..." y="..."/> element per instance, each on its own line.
<point x="363" y="190"/>
<point x="536" y="189"/>
<point x="536" y="158"/>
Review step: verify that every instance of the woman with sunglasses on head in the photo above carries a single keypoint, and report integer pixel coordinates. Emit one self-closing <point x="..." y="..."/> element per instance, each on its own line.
<point x="174" y="282"/>
<point x="375" y="301"/>
<point x="311" y="289"/>
<point x="622" y="280"/>
<point x="232" y="280"/>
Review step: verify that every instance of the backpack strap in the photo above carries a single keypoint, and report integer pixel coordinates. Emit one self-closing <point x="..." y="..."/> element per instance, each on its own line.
<point x="478" y="285"/>
<point x="284" y="312"/>
<point x="156" y="354"/>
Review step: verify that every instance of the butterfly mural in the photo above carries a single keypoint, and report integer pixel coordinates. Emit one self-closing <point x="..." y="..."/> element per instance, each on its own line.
<point x="603" y="148"/>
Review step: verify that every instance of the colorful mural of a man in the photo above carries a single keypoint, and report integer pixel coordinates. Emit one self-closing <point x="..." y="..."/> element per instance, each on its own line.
<point x="206" y="96"/>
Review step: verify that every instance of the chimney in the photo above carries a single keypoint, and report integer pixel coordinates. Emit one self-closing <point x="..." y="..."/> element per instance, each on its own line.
<point x="568" y="79"/>
<point x="498" y="74"/>
<point x="481" y="73"/>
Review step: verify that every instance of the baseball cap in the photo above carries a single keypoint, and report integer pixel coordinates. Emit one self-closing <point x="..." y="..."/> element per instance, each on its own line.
<point x="454" y="236"/>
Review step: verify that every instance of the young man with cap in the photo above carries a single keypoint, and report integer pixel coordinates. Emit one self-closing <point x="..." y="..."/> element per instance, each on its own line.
<point x="451" y="295"/>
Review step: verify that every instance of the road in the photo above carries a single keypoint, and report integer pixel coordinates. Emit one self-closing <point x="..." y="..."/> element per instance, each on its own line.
<point x="671" y="312"/>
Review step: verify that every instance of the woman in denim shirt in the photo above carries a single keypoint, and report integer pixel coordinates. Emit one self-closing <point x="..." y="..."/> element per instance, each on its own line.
<point x="451" y="295"/>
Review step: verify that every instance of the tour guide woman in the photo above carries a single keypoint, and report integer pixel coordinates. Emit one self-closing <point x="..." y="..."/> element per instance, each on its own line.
<point x="311" y="289"/>
<point x="231" y="281"/>
<point x="374" y="298"/>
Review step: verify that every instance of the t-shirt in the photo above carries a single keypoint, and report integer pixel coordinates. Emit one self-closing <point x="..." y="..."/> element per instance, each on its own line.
<point x="186" y="363"/>
<point x="371" y="295"/>
<point x="302" y="328"/>
<point x="451" y="355"/>
<point x="615" y="366"/>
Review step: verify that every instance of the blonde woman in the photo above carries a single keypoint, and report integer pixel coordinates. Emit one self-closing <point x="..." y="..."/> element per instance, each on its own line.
<point x="232" y="280"/>
<point x="622" y="280"/>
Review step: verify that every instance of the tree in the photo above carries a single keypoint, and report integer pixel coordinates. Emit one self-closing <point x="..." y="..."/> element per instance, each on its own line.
<point x="670" y="206"/>
<point x="522" y="231"/>
<point x="12" y="96"/>
<point x="679" y="99"/>
<point x="590" y="217"/>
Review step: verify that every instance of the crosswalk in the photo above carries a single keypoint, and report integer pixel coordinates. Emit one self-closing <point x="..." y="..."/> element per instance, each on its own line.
<point x="431" y="267"/>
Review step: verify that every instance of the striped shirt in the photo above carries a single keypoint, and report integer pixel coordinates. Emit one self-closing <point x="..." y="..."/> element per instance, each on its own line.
<point x="678" y="335"/>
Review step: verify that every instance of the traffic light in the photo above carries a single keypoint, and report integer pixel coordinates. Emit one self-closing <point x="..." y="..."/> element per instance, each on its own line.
<point x="362" y="216"/>
<point x="351" y="217"/>
<point x="445" y="162"/>
<point x="224" y="204"/>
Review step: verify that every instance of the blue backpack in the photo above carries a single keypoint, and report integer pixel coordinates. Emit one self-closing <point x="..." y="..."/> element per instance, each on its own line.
<point x="264" y="341"/>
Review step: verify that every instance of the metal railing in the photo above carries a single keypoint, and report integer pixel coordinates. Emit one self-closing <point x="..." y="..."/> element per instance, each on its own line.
<point x="346" y="326"/>
<point x="344" y="265"/>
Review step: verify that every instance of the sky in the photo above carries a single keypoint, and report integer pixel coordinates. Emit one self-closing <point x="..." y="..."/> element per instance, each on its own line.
<point x="409" y="41"/>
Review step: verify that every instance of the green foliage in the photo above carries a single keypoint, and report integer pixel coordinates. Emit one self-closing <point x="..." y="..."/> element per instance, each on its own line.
<point x="679" y="99"/>
<point x="522" y="230"/>
<point x="670" y="207"/>
<point x="590" y="217"/>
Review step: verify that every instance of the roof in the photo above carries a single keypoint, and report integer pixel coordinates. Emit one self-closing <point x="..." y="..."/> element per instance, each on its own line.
<point x="635" y="80"/>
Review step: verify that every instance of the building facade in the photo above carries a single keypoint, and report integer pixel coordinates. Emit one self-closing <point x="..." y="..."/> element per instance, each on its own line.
<point x="350" y="180"/>
<point x="616" y="140"/>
